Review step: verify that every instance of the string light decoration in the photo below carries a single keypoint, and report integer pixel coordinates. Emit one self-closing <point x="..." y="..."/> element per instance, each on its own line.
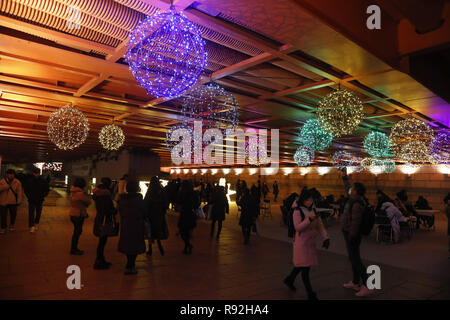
<point x="166" y="54"/>
<point x="213" y="105"/>
<point x="415" y="152"/>
<point x="342" y="159"/>
<point x="365" y="163"/>
<point x="314" y="136"/>
<point x="357" y="167"/>
<point x="303" y="156"/>
<point x="440" y="148"/>
<point x="389" y="165"/>
<point x="377" y="144"/>
<point x="256" y="151"/>
<point x="111" y="137"/>
<point x="409" y="130"/>
<point x="67" y="127"/>
<point x="169" y="143"/>
<point x="341" y="112"/>
<point x="376" y="166"/>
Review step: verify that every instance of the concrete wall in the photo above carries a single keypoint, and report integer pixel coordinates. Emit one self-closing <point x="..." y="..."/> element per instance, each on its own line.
<point x="428" y="182"/>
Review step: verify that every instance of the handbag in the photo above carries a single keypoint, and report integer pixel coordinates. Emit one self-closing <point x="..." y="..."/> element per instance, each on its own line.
<point x="109" y="227"/>
<point x="147" y="229"/>
<point x="199" y="213"/>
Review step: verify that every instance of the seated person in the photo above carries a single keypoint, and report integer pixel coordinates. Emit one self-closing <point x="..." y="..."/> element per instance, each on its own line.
<point x="406" y="207"/>
<point x="422" y="204"/>
<point x="395" y="216"/>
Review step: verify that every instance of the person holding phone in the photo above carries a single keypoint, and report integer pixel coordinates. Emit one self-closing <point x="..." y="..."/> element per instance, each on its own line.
<point x="307" y="224"/>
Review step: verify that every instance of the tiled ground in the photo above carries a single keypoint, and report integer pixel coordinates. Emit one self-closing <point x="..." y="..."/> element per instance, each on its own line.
<point x="33" y="266"/>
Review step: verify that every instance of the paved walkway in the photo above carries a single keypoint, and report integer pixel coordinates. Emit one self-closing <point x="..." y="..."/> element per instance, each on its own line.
<point x="33" y="266"/>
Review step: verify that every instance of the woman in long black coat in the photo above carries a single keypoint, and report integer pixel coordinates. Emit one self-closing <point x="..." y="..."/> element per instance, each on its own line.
<point x="188" y="201"/>
<point x="103" y="198"/>
<point x="219" y="208"/>
<point x="156" y="204"/>
<point x="132" y="210"/>
<point x="249" y="212"/>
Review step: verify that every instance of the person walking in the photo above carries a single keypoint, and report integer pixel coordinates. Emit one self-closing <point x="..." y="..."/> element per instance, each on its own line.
<point x="11" y="195"/>
<point x="265" y="190"/>
<point x="106" y="211"/>
<point x="188" y="201"/>
<point x="79" y="201"/>
<point x="351" y="225"/>
<point x="132" y="211"/>
<point x="219" y="208"/>
<point x="156" y="203"/>
<point x="275" y="191"/>
<point x="249" y="212"/>
<point x="307" y="224"/>
<point x="36" y="189"/>
<point x="238" y="190"/>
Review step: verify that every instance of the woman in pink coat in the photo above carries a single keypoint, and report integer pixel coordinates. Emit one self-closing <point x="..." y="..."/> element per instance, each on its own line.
<point x="306" y="225"/>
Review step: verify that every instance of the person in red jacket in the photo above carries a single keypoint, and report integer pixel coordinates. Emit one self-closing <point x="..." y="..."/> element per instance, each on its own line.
<point x="79" y="201"/>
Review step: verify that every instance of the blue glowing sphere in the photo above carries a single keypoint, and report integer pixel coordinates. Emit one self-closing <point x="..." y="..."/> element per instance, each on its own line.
<point x="166" y="54"/>
<point x="303" y="156"/>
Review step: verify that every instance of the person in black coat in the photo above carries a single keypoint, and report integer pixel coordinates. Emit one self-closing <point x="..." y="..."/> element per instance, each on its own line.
<point x="249" y="212"/>
<point x="132" y="210"/>
<point x="156" y="202"/>
<point x="188" y="201"/>
<point x="265" y="190"/>
<point x="275" y="191"/>
<point x="219" y="208"/>
<point x="104" y="204"/>
<point x="36" y="189"/>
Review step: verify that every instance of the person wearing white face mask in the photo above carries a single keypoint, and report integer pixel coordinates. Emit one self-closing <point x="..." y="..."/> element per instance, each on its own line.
<point x="351" y="228"/>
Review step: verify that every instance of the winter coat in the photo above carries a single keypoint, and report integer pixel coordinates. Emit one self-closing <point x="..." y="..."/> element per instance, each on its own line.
<point x="249" y="210"/>
<point x="132" y="210"/>
<point x="304" y="243"/>
<point x="36" y="189"/>
<point x="352" y="216"/>
<point x="79" y="201"/>
<point x="105" y="207"/>
<point x="219" y="206"/>
<point x="395" y="216"/>
<point x="188" y="202"/>
<point x="7" y="196"/>
<point x="156" y="206"/>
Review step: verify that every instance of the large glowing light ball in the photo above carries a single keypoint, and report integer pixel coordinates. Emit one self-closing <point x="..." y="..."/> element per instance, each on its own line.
<point x="342" y="159"/>
<point x="166" y="54"/>
<point x="377" y="144"/>
<point x="314" y="136"/>
<point x="303" y="156"/>
<point x="111" y="137"/>
<point x="409" y="130"/>
<point x="440" y="148"/>
<point x="213" y="105"/>
<point x="256" y="151"/>
<point x="171" y="143"/>
<point x="341" y="112"/>
<point x="67" y="128"/>
<point x="415" y="151"/>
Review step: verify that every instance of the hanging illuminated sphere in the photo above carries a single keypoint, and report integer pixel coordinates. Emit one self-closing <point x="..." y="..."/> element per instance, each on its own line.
<point x="256" y="151"/>
<point x="440" y="148"/>
<point x="342" y="159"/>
<point x="111" y="137"/>
<point x="409" y="130"/>
<point x="415" y="152"/>
<point x="389" y="166"/>
<point x="314" y="136"/>
<point x="377" y="144"/>
<point x="341" y="112"/>
<point x="303" y="156"/>
<point x="213" y="105"/>
<point x="67" y="128"/>
<point x="376" y="166"/>
<point x="166" y="54"/>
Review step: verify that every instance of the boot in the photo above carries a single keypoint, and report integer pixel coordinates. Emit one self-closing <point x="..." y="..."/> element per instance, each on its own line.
<point x="312" y="296"/>
<point x="101" y="264"/>
<point x="290" y="284"/>
<point x="161" y="249"/>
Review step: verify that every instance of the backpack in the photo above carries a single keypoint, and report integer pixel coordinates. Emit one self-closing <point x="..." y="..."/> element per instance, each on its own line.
<point x="368" y="220"/>
<point x="291" y="228"/>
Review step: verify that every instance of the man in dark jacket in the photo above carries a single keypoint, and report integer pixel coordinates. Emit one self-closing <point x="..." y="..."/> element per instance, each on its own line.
<point x="36" y="189"/>
<point x="351" y="225"/>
